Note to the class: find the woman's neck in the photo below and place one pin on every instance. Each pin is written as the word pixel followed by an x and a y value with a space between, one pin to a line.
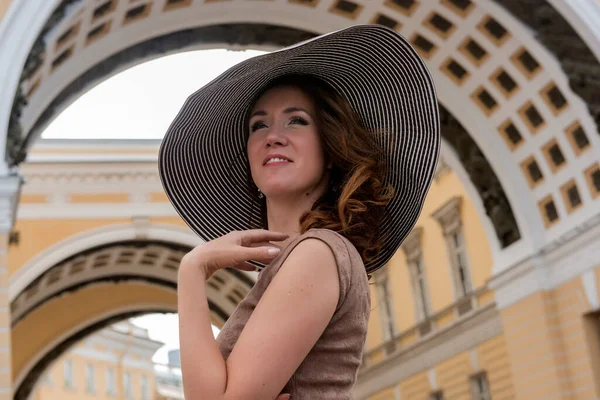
pixel 284 216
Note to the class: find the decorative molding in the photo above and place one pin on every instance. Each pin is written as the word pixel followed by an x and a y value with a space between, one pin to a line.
pixel 154 263
pixel 98 177
pixel 565 259
pixel 95 238
pixel 10 190
pixel 442 169
pixel 61 209
pixel 448 215
pixel 464 335
pixel 412 244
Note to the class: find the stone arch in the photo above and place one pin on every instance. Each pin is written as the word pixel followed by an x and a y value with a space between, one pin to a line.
pixel 113 279
pixel 493 76
pixel 36 344
pixel 97 238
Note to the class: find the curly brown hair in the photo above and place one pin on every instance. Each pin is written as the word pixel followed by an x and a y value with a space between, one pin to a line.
pixel 356 199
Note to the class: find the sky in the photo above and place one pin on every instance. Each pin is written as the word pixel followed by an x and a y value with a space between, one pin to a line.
pixel 140 103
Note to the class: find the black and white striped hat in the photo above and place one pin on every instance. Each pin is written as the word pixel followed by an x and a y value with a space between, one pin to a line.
pixel 203 160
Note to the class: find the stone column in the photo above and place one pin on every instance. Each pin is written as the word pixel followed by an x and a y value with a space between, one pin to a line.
pixel 9 194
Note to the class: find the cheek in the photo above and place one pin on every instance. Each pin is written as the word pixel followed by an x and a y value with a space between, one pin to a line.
pixel 317 157
pixel 251 149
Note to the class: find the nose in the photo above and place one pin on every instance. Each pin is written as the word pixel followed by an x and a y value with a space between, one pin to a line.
pixel 275 138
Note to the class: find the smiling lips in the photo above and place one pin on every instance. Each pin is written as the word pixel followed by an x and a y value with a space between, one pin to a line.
pixel 276 159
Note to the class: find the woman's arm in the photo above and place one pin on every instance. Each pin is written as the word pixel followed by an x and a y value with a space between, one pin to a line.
pixel 290 317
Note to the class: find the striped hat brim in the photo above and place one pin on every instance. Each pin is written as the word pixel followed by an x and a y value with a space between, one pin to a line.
pixel 203 162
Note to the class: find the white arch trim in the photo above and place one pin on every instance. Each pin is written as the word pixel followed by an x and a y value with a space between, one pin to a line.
pixel 97 237
pixel 18 30
pixel 146 307
pixel 583 16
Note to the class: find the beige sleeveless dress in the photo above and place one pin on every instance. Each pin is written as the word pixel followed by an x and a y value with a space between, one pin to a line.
pixel 329 370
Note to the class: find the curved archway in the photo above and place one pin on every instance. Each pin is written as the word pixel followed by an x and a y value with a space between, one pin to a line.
pixel 98 238
pixel 98 285
pixel 36 344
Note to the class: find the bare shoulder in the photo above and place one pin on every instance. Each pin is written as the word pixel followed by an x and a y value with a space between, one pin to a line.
pixel 311 256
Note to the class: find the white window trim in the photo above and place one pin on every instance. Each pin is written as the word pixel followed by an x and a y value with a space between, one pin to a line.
pixel 449 218
pixel 381 277
pixel 412 250
pixel 127 385
pixel 475 395
pixel 145 387
pixel 68 376
pixel 110 382
pixel 90 379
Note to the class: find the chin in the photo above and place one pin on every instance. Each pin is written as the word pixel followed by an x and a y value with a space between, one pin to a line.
pixel 275 190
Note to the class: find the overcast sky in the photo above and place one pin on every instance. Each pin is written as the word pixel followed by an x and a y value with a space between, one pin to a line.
pixel 141 103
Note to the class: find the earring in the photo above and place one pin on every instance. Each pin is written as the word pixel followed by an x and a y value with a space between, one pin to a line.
pixel 260 194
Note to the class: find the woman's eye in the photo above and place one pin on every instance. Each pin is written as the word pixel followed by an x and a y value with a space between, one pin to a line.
pixel 298 120
pixel 257 125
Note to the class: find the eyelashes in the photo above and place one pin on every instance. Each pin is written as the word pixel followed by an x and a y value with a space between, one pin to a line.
pixel 257 125
pixel 293 120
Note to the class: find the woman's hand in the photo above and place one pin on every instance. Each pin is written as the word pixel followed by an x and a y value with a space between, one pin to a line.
pixel 234 249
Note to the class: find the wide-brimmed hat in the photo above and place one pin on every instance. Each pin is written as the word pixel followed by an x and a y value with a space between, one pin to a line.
pixel 203 161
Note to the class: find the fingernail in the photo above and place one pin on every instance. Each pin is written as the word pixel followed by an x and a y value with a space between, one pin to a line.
pixel 273 251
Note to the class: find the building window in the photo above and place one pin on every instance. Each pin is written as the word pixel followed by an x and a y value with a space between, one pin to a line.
pixel 68 374
pixel 111 387
pixel 145 388
pixel 127 388
pixel 459 258
pixel 480 388
pixel 437 396
pixel 420 288
pixel 384 296
pixel 90 379
pixel 448 216
pixel 414 260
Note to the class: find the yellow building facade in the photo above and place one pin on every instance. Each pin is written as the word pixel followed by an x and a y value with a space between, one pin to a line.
pixel 115 363
pixel 494 294
pixel 435 331
pixel 112 364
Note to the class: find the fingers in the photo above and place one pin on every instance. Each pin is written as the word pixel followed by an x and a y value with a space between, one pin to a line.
pixel 264 254
pixel 263 244
pixel 261 235
pixel 246 266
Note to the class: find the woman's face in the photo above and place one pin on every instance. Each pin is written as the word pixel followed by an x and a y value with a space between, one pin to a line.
pixel 284 147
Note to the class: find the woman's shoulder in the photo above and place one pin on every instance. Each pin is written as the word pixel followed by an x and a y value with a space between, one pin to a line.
pixel 338 242
pixel 347 257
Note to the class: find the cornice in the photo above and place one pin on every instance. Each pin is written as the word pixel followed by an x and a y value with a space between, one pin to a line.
pixel 464 335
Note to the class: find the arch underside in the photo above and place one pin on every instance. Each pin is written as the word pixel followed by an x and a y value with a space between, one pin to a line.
pixel 558 36
pixel 100 286
pixel 482 175
pixel 24 390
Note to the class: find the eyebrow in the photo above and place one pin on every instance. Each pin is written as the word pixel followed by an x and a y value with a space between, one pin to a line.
pixel 288 110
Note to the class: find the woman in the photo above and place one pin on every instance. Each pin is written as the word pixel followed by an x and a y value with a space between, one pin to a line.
pixel 314 160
